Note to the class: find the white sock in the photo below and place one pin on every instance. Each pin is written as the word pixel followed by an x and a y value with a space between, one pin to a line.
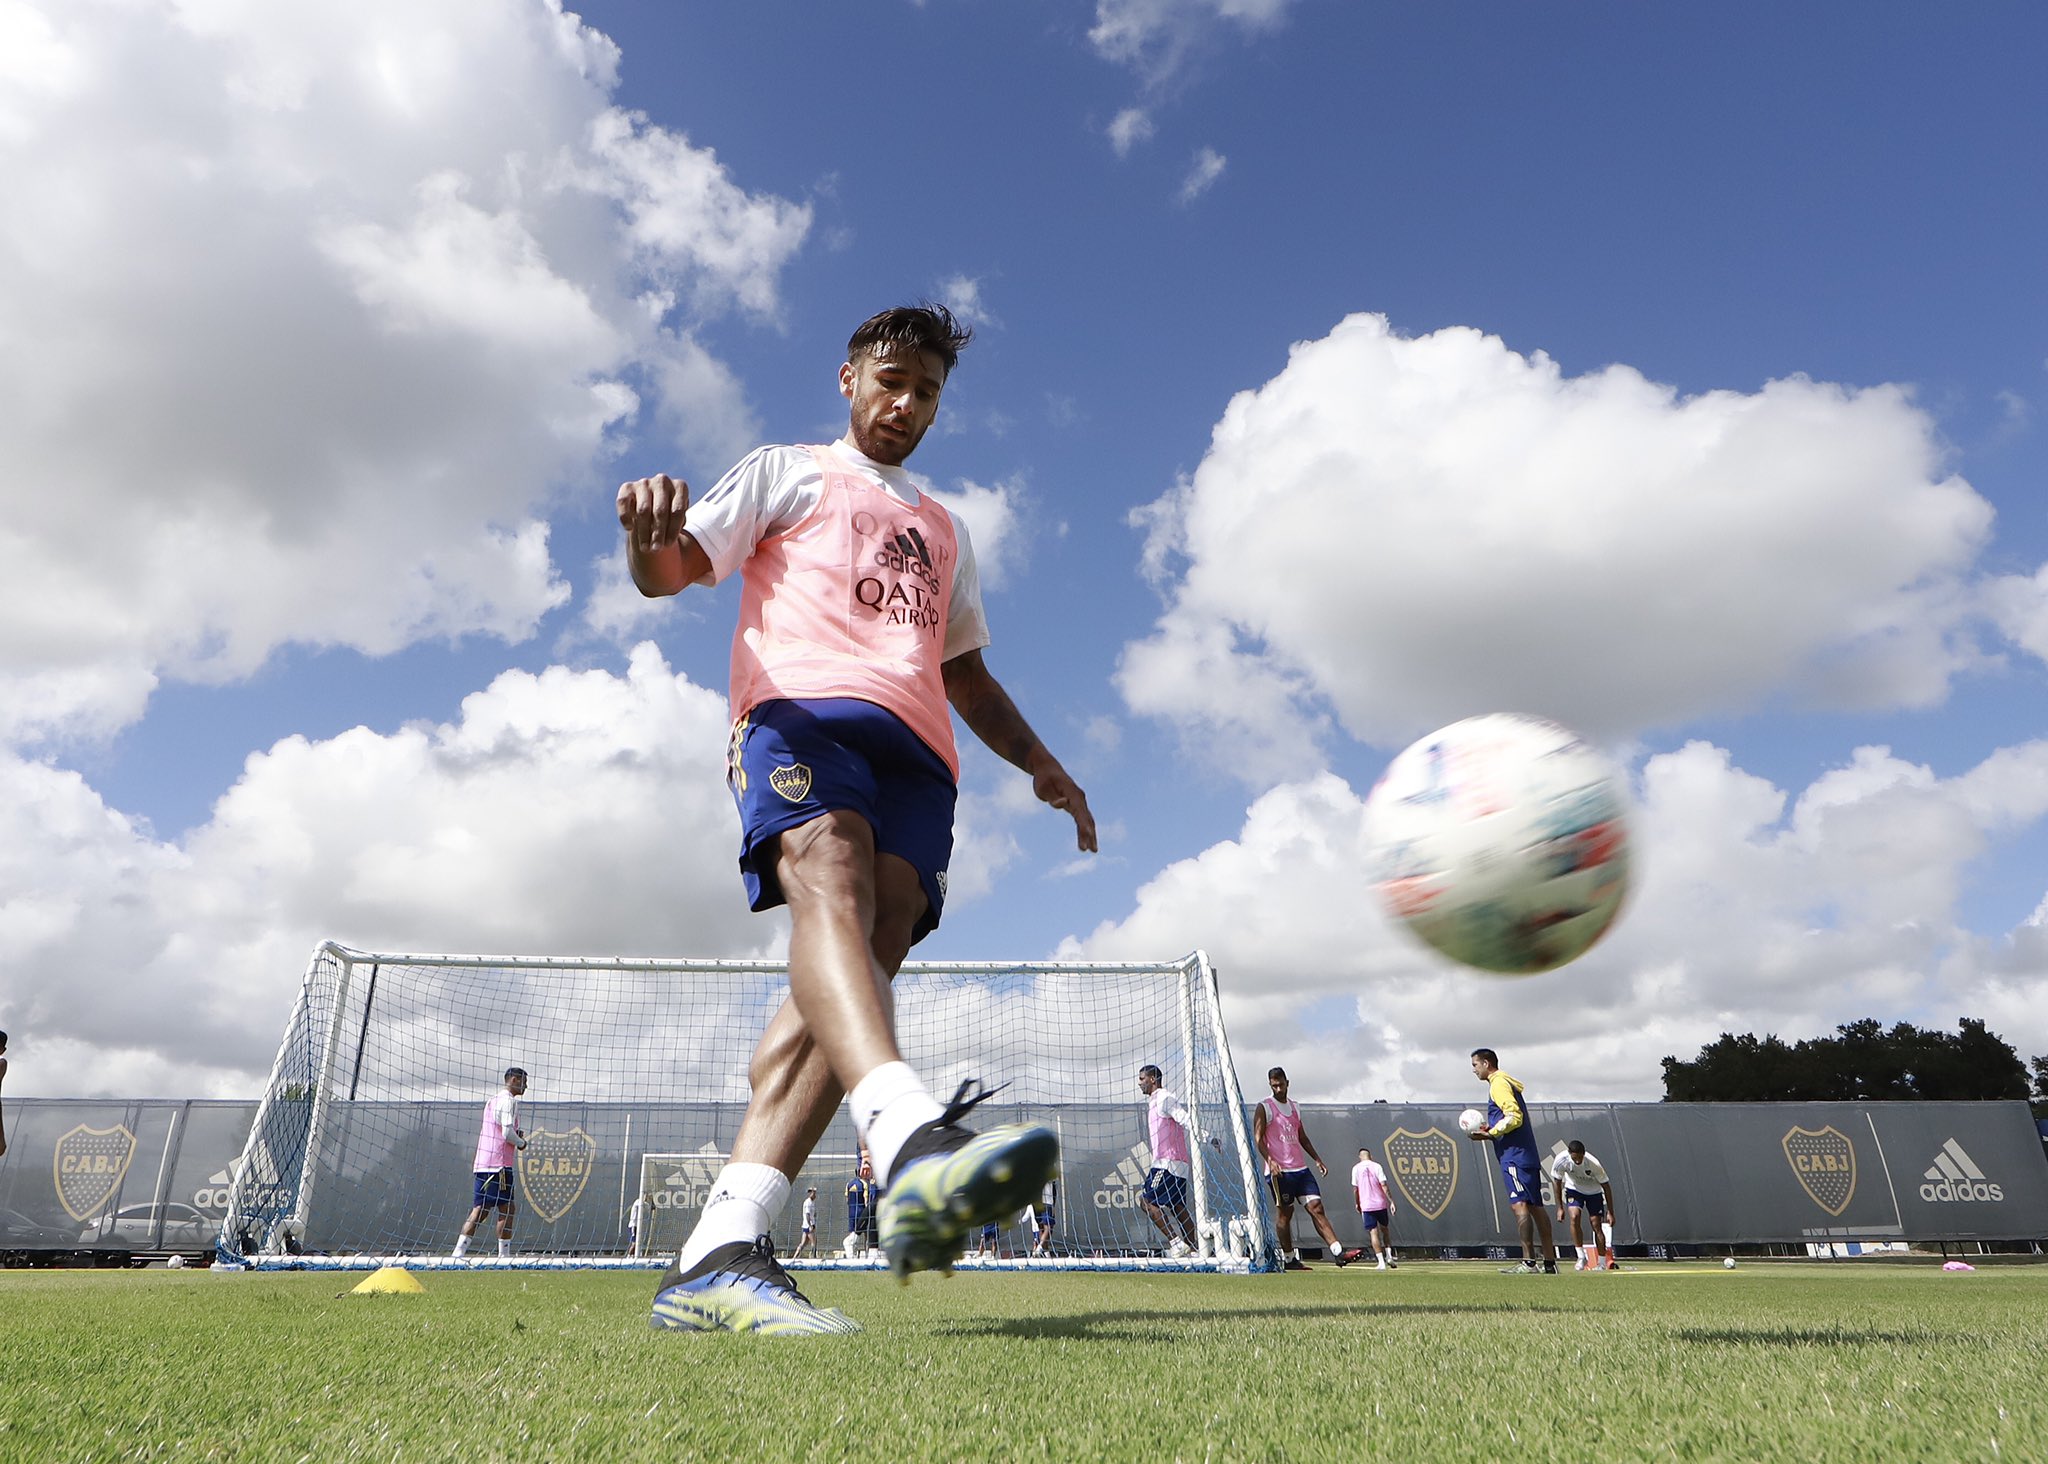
pixel 889 1104
pixel 743 1204
pixel 504 1247
pixel 461 1245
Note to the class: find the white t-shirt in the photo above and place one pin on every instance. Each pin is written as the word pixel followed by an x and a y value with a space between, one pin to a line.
pixel 810 1213
pixel 1584 1177
pixel 774 488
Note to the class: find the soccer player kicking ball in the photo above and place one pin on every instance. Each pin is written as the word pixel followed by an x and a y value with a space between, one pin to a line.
pixel 1514 1146
pixel 1582 1191
pixel 860 623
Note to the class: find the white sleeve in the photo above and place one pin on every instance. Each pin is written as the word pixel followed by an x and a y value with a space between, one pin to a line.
pixel 1599 1174
pixel 770 489
pixel 508 1116
pixel 966 621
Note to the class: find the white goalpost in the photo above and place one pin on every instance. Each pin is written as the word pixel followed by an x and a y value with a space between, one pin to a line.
pixel 362 1147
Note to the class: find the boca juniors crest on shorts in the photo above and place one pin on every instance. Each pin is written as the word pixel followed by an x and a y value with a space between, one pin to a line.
pixel 554 1168
pixel 792 782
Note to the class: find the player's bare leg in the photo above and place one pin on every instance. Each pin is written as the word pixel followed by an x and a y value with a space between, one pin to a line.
pixel 1321 1222
pixel 795 1093
pixel 1283 1221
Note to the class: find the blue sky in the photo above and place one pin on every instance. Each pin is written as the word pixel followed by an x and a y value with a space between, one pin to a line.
pixel 1341 370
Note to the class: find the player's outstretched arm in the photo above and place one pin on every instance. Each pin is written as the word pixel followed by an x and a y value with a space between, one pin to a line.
pixel 990 715
pixel 661 555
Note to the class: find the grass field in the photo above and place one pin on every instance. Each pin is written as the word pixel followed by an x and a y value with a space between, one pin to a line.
pixel 1432 1362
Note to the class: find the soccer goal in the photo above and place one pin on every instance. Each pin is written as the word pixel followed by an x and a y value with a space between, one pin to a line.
pixel 363 1146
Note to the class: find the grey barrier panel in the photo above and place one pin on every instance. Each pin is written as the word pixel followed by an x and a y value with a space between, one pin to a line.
pixel 1829 1171
pixel 391 1175
pixel 110 1175
pixel 1959 1174
pixel 1446 1188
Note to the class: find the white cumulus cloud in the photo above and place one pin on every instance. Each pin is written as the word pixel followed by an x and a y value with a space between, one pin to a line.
pixel 1397 532
pixel 1753 909
pixel 308 314
pixel 1207 167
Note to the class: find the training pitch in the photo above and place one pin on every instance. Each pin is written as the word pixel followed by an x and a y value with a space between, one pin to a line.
pixel 1430 1362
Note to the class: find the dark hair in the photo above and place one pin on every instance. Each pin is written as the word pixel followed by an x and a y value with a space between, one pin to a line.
pixel 515 1072
pixel 922 327
pixel 3 1039
pixel 1278 1072
pixel 1492 1057
pixel 1151 1070
pixel 1579 1144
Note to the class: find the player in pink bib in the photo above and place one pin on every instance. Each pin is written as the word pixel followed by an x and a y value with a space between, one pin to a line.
pixel 1375 1208
pixel 860 634
pixel 1278 1134
pixel 498 1143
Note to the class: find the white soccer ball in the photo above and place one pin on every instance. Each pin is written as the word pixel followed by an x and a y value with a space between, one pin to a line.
pixel 1502 841
pixel 176 1263
pixel 1728 1262
pixel 1471 1119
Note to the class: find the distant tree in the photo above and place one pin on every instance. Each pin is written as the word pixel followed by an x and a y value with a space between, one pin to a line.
pixel 2041 1087
pixel 1862 1061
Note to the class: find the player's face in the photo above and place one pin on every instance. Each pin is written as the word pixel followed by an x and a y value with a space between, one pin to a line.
pixel 516 1085
pixel 1481 1069
pixel 894 399
pixel 1279 1087
pixel 1147 1084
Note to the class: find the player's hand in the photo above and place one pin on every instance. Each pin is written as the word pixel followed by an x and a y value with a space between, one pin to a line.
pixel 651 511
pixel 1322 1169
pixel 1053 786
pixel 1482 1132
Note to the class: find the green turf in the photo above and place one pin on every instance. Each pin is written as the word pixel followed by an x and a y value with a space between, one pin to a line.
pixel 1433 1362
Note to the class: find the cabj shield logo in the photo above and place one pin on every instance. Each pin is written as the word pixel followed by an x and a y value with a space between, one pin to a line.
pixel 553 1168
pixel 1425 1168
pixel 792 782
pixel 89 1165
pixel 1825 1163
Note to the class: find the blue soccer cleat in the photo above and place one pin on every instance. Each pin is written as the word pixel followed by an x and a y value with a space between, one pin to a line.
pixel 948 1181
pixel 741 1287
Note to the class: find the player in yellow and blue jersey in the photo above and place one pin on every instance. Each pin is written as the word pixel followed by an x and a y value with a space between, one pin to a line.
pixel 1514 1146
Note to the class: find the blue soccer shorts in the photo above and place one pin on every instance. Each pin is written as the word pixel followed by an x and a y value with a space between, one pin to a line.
pixel 1290 1185
pixel 1525 1185
pixel 1375 1220
pixel 493 1189
pixel 792 762
pixel 1167 1190
pixel 1594 1205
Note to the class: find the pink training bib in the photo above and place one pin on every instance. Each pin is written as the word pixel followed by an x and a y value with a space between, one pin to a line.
pixel 852 602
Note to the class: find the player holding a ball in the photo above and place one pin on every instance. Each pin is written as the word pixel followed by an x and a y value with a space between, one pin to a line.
pixel 1514 1147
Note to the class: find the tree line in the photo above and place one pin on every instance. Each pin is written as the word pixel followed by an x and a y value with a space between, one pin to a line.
pixel 1861 1061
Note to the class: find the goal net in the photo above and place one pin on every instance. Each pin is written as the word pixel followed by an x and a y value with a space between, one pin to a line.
pixel 363 1147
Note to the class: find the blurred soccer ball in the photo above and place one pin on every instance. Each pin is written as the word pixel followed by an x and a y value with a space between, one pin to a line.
pixel 1728 1262
pixel 176 1263
pixel 1502 841
pixel 1470 1119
